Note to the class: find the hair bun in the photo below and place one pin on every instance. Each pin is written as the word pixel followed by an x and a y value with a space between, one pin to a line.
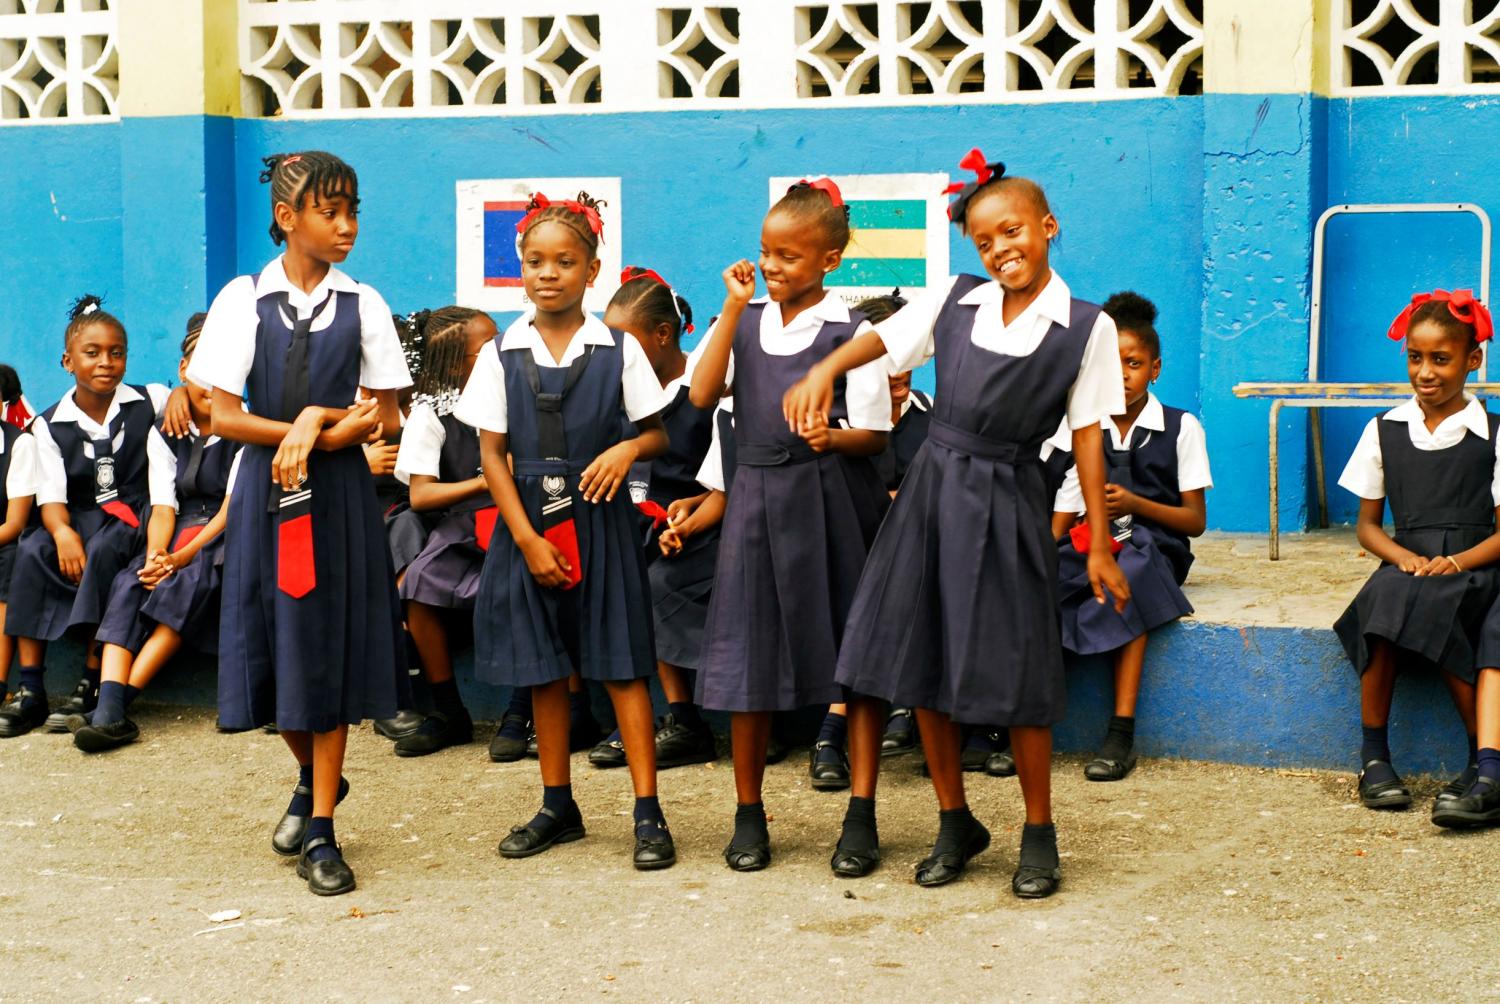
pixel 85 305
pixel 1131 310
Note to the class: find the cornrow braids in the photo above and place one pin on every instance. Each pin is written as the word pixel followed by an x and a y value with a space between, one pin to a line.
pixel 294 177
pixel 89 309
pixel 878 308
pixel 409 332
pixel 444 348
pixel 652 302
pixel 194 329
pixel 569 217
pixel 816 206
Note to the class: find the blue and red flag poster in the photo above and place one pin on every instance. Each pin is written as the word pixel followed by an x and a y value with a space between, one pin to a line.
pixel 488 263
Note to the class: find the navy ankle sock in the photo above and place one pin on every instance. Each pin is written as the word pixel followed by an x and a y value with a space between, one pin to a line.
pixel 445 698
pixel 835 730
pixel 750 825
pixel 131 693
pixel 1489 763
pixel 1376 745
pixel 614 737
pixel 954 826
pixel 860 833
pixel 320 826
pixel 301 805
pixel 1039 846
pixel 33 678
pixel 1119 740
pixel 558 799
pixel 982 738
pixel 650 824
pixel 686 713
pixel 111 706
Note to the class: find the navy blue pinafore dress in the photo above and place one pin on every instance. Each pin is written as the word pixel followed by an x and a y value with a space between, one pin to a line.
pixel 682 584
pixel 1441 503
pixel 526 635
pixel 445 572
pixel 1154 559
pixel 188 601
pixel 957 608
pixel 43 603
pixel 905 440
pixel 794 540
pixel 8 436
pixel 330 657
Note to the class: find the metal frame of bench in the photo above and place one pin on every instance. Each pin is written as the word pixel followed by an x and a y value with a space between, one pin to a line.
pixel 1314 394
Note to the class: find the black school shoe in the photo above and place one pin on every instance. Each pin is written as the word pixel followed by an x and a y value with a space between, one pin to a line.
pixel 80 702
pixel 900 733
pixel 940 869
pixel 677 745
pixel 328 876
pixel 828 766
pixel 438 731
pixel 25 711
pixel 610 752
pixel 504 749
pixel 101 738
pixel 974 758
pixel 1001 764
pixel 405 722
pixel 526 840
pixel 1386 790
pixel 655 850
pixel 286 839
pixel 1459 784
pixel 1109 769
pixel 1479 806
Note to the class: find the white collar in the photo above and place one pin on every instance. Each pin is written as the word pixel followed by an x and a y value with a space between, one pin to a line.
pixel 1472 417
pixel 273 279
pixel 830 308
pixel 67 411
pixel 1152 417
pixel 912 401
pixel 1055 302
pixel 522 334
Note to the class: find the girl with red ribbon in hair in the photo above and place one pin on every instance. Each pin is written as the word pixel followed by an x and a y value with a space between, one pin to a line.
pixel 681 540
pixel 565 588
pixel 1435 460
pixel 310 626
pixel 956 614
pixel 804 508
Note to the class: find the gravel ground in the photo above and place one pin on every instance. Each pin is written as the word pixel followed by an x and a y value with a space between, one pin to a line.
pixel 1186 881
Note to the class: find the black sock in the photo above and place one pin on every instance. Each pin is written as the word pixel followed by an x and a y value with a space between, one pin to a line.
pixel 579 708
pixel 558 799
pixel 650 824
pixel 860 833
pixel 954 826
pixel 1039 846
pixel 982 739
pixel 1489 764
pixel 518 712
pixel 750 825
pixel 1376 745
pixel 33 678
pixel 445 698
pixel 1119 739
pixel 686 713
pixel 320 826
pixel 131 693
pixel 835 730
pixel 111 706
pixel 1473 750
pixel 301 805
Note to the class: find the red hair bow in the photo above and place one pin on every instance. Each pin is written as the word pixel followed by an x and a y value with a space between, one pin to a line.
pixel 826 186
pixel 1461 304
pixel 541 202
pixel 972 161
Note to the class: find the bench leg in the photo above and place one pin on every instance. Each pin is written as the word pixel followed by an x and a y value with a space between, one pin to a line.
pixel 1316 417
pixel 1275 482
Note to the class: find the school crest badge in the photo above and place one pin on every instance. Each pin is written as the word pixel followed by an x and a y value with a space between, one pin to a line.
pixel 104 474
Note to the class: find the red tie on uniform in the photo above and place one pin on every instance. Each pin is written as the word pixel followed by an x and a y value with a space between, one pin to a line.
pixel 122 512
pixel 1083 539
pixel 296 574
pixel 656 512
pixel 484 526
pixel 186 534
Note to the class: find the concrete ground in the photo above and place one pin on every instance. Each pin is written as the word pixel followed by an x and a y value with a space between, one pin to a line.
pixel 1186 881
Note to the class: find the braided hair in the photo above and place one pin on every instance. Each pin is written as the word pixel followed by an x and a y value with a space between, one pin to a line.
pixel 878 308
pixel 89 309
pixel 651 302
pixel 295 176
pixel 444 351
pixel 569 217
pixel 816 207
pixel 194 329
pixel 1134 313
pixel 10 384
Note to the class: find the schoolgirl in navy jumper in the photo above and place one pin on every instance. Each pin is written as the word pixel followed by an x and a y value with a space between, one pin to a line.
pixel 105 487
pixel 168 597
pixel 650 310
pixel 1435 460
pixel 14 408
pixel 801 516
pixel 440 462
pixel 956 613
pixel 564 584
pixel 310 622
pixel 1157 470
pixel 17 498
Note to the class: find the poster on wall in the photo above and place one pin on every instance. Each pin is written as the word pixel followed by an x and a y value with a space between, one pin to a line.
pixel 489 265
pixel 899 232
